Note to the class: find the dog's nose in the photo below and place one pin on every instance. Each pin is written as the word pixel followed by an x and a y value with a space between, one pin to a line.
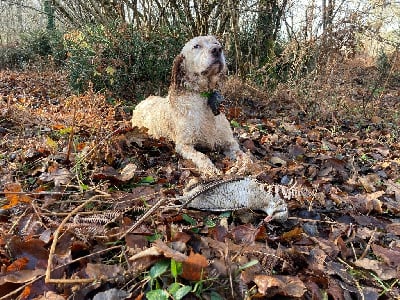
pixel 216 51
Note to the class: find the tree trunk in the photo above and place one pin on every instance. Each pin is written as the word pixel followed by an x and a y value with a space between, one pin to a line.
pixel 49 10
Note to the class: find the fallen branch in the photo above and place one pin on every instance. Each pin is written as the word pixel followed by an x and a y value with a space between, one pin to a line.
pixel 48 278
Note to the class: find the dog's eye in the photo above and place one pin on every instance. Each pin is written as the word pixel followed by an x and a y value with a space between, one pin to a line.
pixel 197 46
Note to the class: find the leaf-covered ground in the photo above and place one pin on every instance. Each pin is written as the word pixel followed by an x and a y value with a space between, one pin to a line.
pixel 76 181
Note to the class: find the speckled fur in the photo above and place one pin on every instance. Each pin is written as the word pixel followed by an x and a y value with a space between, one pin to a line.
pixel 184 116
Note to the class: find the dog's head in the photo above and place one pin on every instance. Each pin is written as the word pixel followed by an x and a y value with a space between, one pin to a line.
pixel 199 66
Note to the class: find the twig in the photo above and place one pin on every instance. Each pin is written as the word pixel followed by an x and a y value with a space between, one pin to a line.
pixel 368 245
pixel 48 279
pixel 71 136
pixel 312 220
pixel 37 193
pixel 144 217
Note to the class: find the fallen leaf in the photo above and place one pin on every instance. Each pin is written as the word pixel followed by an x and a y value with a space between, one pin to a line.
pixel 289 286
pixel 128 172
pixel 13 193
pixel 111 294
pixel 380 268
pixel 59 176
pixel 393 228
pixel 33 250
pixel 245 233
pixel 168 252
pixel 293 234
pixel 193 268
pixel 109 173
pixel 369 182
pixel 278 161
pixel 390 256
pixel 103 271
pixel 18 264
pixel 50 295
pixel 335 290
pixel 265 282
pixel 21 276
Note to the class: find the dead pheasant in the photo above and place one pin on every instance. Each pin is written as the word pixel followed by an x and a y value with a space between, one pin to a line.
pixel 239 193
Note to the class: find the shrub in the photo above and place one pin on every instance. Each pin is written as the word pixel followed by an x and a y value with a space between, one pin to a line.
pixel 120 61
pixel 31 47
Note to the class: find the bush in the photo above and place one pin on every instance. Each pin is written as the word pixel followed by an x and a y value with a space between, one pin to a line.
pixel 31 47
pixel 120 61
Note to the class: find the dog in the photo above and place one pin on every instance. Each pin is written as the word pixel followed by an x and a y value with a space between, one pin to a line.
pixel 189 116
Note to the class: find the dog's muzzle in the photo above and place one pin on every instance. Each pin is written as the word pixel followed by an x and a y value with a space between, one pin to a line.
pixel 216 51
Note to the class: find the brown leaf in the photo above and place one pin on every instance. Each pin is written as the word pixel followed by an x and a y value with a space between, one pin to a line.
pixel 393 187
pixel 290 286
pixel 334 289
pixel 13 193
pixel 105 173
pixel 32 249
pixel 219 233
pixel 21 276
pixel 295 233
pixel 168 252
pixel 58 175
pixel 366 203
pixel 265 282
pixel 244 234
pixel 103 271
pixel 390 256
pixel 18 264
pixel 393 228
pixel 50 296
pixel 109 173
pixel 128 172
pixel 316 259
pixel 344 251
pixel 193 267
pixel 26 292
pixel 136 241
pixel 369 182
pixel 296 150
pixel 275 160
pixel 381 269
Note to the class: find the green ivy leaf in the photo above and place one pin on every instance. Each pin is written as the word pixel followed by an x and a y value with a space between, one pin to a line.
pixel 158 269
pixel 157 295
pixel 210 223
pixel 176 268
pixel 235 124
pixel 154 237
pixel 189 219
pixel 174 287
pixel 215 296
pixel 182 292
pixel 147 180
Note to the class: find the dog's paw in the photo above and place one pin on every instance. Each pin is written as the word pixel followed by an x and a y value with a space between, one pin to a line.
pixel 210 171
pixel 244 165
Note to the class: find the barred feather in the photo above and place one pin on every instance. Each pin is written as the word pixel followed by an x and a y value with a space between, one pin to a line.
pixel 237 193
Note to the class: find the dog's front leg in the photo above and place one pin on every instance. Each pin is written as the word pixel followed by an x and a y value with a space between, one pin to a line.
pixel 202 162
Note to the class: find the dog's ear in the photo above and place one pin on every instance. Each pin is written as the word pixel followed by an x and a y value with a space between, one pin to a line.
pixel 178 73
pixel 177 78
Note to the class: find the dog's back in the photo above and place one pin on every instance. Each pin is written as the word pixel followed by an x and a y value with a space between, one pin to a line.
pixel 154 113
